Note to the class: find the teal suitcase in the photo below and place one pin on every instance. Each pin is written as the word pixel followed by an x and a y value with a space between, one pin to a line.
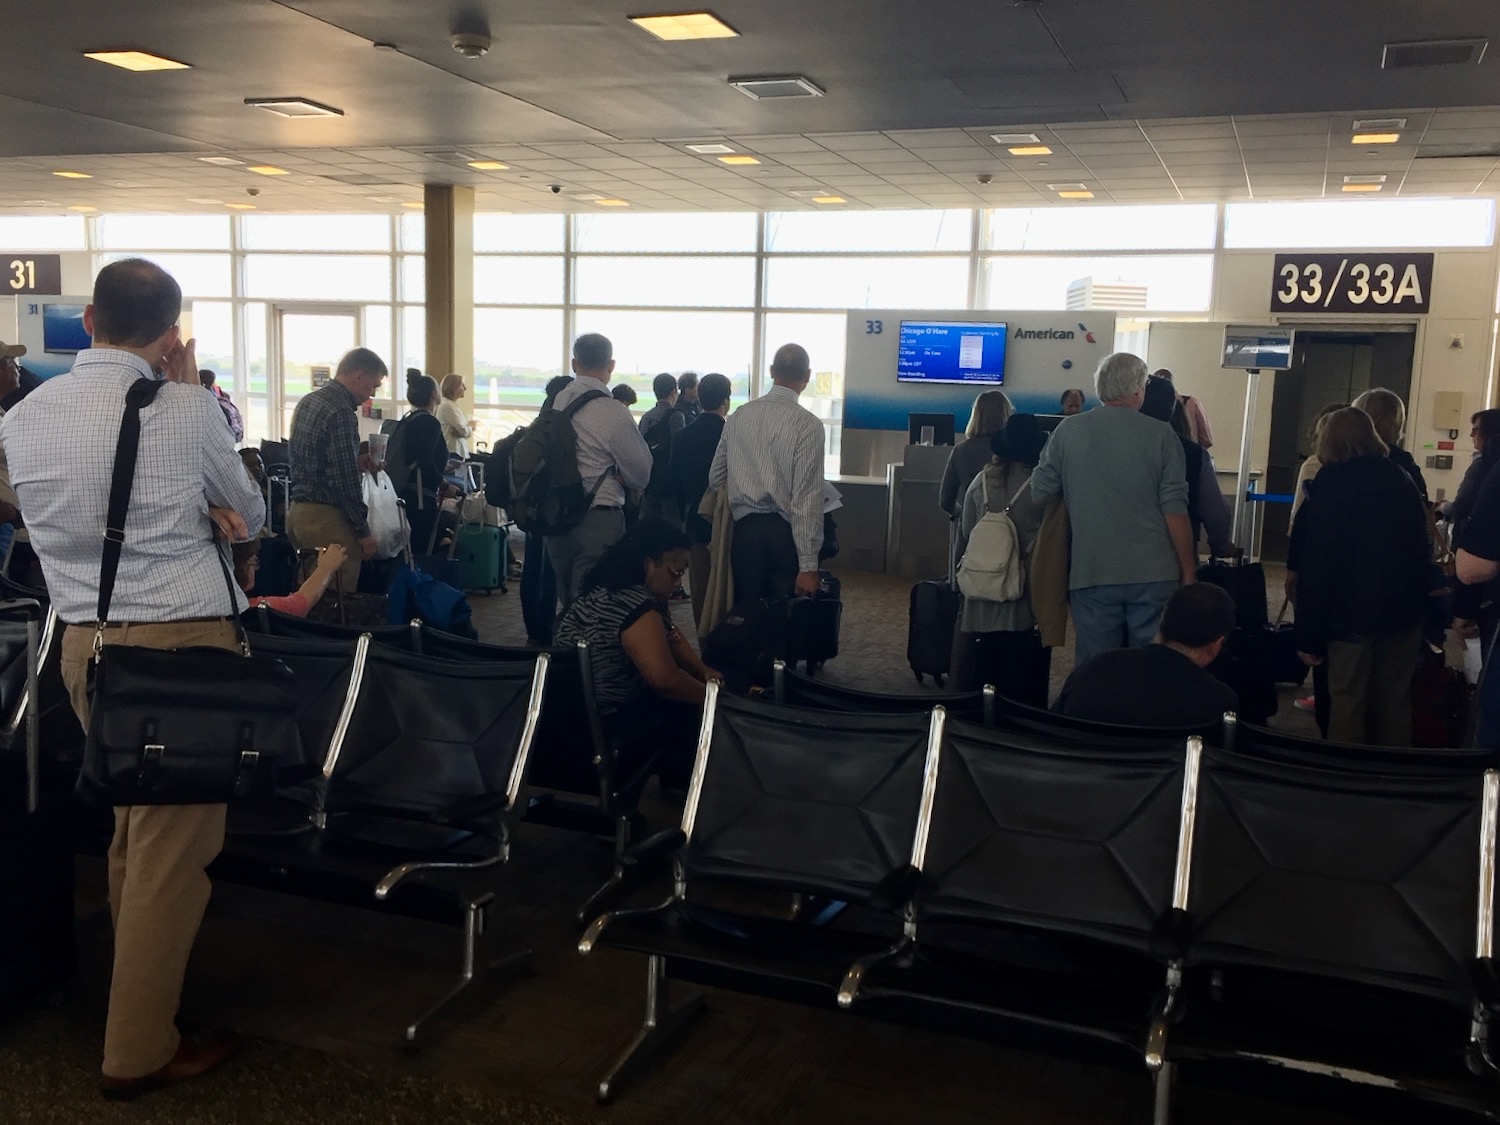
pixel 479 555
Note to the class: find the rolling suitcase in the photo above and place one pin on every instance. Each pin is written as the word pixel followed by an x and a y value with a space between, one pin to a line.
pixel 1246 584
pixel 479 555
pixel 819 633
pixel 929 633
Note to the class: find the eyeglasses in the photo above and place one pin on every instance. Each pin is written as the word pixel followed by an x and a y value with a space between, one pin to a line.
pixel 675 572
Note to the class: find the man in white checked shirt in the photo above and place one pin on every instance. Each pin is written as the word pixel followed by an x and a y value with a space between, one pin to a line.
pixel 771 457
pixel 170 593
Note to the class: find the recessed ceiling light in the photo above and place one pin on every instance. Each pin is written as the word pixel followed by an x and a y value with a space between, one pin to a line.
pixel 686 25
pixel 1362 187
pixel 267 170
pixel 1364 179
pixel 74 175
pixel 588 198
pixel 776 86
pixel 810 194
pixel 1374 138
pixel 1015 138
pixel 709 150
pixel 1067 187
pixel 222 161
pixel 136 60
pixel 240 206
pixel 82 207
pixel 738 160
pixel 488 165
pixel 829 199
pixel 382 199
pixel 207 202
pixel 612 203
pixel 38 203
pixel 414 205
pixel 1030 150
pixel 294 107
pixel 1085 194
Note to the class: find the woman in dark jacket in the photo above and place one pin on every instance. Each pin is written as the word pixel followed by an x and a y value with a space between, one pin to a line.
pixel 1207 509
pixel 416 458
pixel 1363 570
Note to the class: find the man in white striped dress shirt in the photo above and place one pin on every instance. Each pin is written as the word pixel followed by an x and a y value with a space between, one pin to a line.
pixel 771 457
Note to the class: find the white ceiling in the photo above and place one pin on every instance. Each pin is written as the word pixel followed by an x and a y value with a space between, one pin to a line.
pixel 1141 103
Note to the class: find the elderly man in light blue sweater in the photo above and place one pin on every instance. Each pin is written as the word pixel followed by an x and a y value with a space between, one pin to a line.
pixel 1121 475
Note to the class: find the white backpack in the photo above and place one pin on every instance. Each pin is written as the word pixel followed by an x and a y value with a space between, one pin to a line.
pixel 991 567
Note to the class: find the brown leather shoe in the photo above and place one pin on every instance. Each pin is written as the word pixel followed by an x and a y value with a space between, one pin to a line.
pixel 193 1057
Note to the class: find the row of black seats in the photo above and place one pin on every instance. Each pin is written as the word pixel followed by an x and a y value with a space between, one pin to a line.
pixel 1234 894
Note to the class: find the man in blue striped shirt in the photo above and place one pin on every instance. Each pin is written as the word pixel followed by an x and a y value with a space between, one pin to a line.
pixel 771 457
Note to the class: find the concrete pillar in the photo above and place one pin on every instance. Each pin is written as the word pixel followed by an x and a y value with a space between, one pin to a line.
pixel 450 279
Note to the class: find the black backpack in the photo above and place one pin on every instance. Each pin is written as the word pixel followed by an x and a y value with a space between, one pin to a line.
pixel 659 442
pixel 546 490
pixel 397 460
pixel 497 470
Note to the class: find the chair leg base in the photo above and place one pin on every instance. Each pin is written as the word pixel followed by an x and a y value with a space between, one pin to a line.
pixel 654 1039
pixel 470 991
pixel 1162 1110
pixel 601 899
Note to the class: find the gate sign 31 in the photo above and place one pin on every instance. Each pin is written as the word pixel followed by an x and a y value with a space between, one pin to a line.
pixel 1352 283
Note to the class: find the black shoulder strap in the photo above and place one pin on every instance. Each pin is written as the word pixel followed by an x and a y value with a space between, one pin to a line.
pixel 581 401
pixel 141 393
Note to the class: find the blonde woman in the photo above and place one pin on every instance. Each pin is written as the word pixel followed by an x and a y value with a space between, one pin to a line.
pixel 456 427
pixel 1311 465
pixel 987 418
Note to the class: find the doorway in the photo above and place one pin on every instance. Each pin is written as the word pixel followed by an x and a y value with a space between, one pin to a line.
pixel 1329 366
pixel 305 337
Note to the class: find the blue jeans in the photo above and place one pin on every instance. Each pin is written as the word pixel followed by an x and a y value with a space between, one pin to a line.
pixel 1124 616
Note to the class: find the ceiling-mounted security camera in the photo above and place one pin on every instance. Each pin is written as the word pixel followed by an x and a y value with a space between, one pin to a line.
pixel 555 189
pixel 984 177
pixel 471 44
pixel 252 191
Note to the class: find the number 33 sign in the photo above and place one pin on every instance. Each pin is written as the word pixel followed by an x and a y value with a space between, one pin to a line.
pixel 1352 283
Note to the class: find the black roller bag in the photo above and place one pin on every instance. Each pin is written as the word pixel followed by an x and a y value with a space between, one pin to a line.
pixel 929 633
pixel 819 635
pixel 753 636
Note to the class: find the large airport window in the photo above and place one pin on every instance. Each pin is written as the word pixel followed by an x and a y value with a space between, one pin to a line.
pixel 518 234
pixel 252 399
pixel 164 232
pixel 648 342
pixel 1137 282
pixel 43 232
pixel 413 347
pixel 200 275
pixel 316 232
pixel 413 278
pixel 664 233
pixel 515 352
pixel 855 231
pixel 1189 226
pixel 518 280
pixel 412 233
pixel 1346 224
pixel 213 328
pixel 318 277
pixel 868 283
pixel 378 336
pixel 664 281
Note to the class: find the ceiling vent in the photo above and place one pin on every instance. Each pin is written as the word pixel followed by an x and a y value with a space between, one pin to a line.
pixel 1380 125
pixel 1458 152
pixel 364 180
pixel 1433 52
pixel 1067 187
pixel 776 86
pixel 1015 138
pixel 1371 179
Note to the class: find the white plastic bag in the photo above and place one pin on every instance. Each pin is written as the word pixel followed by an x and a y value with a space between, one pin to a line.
pixel 384 515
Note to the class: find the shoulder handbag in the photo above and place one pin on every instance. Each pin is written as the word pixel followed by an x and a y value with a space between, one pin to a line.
pixel 991 568
pixel 181 726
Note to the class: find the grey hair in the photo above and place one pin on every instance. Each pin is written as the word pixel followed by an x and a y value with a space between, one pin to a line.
pixel 1119 376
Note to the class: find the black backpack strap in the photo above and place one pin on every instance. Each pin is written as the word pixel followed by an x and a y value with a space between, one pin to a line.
pixel 122 480
pixel 580 402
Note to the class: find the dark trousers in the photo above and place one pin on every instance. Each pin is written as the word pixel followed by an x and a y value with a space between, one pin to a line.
pixel 665 729
pixel 538 591
pixel 764 558
pixel 1016 663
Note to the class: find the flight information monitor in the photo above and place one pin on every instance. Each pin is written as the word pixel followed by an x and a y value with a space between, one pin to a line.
pixel 940 351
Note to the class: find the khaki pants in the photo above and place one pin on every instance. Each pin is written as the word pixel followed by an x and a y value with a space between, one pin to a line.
pixel 1369 688
pixel 158 888
pixel 311 525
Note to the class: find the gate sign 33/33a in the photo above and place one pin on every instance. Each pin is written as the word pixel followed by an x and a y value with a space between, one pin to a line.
pixel 1352 283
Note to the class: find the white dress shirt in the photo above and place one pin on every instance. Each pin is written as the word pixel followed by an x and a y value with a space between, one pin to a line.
pixel 771 456
pixel 60 445
pixel 606 437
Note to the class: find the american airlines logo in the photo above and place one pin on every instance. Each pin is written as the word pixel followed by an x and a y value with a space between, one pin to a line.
pixel 1053 334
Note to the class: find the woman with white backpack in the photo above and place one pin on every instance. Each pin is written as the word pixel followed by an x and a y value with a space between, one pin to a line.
pixel 996 626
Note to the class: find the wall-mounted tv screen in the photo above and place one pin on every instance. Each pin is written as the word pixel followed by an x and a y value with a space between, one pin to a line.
pixel 941 351
pixel 62 329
